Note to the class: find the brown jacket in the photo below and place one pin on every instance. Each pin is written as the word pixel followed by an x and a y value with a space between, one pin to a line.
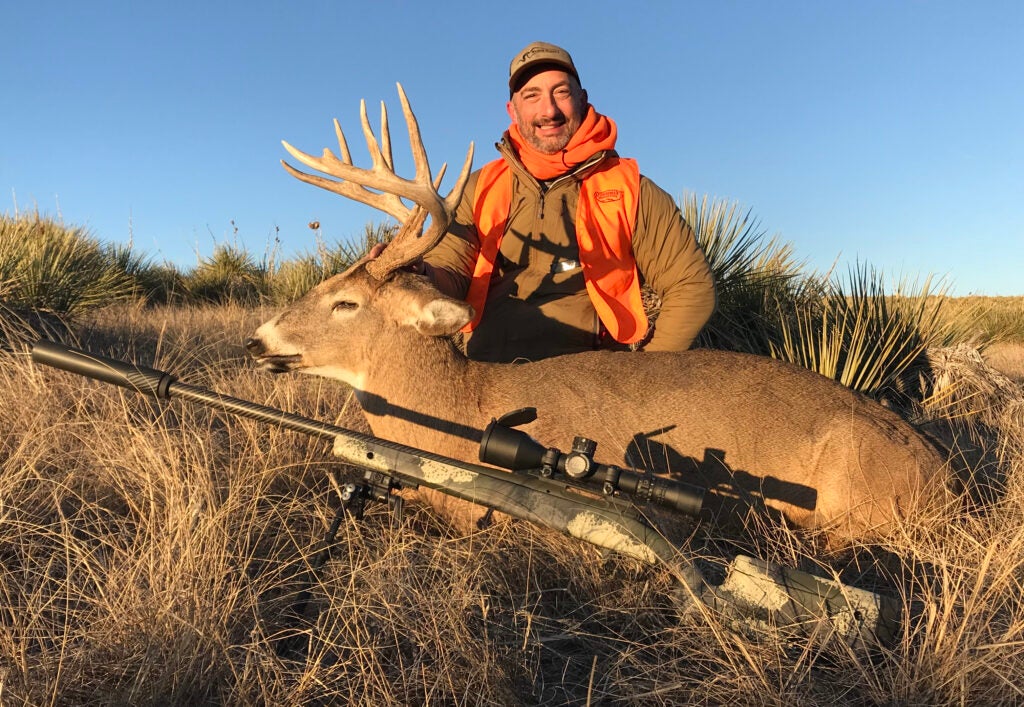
pixel 537 305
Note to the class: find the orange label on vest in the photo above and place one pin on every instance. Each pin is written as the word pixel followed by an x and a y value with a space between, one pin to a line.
pixel 608 195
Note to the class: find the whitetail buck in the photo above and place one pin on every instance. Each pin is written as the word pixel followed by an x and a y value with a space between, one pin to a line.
pixel 750 428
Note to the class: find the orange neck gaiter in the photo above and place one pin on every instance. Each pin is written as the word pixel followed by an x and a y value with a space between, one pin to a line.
pixel 597 132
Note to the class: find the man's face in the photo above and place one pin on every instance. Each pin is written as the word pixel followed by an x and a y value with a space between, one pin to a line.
pixel 548 109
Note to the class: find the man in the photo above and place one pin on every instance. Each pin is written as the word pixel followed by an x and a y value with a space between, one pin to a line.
pixel 552 242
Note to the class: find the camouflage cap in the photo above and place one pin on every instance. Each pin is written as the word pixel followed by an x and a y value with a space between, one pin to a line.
pixel 537 53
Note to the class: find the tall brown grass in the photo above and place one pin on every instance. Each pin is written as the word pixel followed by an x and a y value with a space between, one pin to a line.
pixel 152 554
pixel 999 319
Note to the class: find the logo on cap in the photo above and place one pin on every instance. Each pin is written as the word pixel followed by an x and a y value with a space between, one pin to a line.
pixel 530 53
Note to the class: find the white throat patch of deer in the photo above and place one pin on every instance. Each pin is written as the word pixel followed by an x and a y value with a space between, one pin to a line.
pixel 757 432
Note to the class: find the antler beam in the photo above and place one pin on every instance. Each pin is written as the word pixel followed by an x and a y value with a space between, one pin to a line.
pixel 382 189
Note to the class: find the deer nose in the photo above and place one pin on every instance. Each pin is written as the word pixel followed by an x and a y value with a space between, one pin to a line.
pixel 254 346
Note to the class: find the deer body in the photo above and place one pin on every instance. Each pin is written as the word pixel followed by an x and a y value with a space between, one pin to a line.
pixel 759 432
pixel 752 429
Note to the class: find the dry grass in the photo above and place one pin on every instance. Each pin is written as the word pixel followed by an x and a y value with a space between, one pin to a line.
pixel 152 555
pixel 1007 357
pixel 990 318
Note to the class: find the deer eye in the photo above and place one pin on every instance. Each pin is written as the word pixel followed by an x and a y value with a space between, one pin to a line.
pixel 345 306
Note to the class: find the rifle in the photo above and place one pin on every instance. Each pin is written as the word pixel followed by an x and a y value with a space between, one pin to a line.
pixel 568 492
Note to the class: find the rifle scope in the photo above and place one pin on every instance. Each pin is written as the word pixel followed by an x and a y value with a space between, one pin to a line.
pixel 515 450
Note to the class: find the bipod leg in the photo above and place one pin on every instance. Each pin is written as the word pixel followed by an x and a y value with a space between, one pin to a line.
pixel 353 501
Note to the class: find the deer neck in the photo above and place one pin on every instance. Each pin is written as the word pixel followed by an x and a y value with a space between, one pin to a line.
pixel 424 393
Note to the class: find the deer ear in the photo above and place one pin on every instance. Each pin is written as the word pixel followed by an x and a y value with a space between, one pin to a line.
pixel 442 316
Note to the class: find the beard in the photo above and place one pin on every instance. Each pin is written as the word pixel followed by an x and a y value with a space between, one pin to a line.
pixel 549 144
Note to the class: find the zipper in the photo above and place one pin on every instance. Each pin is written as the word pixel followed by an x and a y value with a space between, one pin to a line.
pixel 577 173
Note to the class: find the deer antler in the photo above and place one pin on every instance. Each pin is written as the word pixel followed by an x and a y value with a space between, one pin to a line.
pixel 382 189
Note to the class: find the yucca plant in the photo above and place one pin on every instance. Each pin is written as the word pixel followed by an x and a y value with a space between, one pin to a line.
pixel 856 333
pixel 863 336
pixel 753 273
pixel 345 253
pixel 230 275
pixel 47 266
pixel 293 278
pixel 153 283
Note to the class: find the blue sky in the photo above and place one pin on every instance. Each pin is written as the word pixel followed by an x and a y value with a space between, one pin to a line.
pixel 887 133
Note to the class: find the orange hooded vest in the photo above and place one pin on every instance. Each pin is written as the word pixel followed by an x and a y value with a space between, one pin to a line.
pixel 605 219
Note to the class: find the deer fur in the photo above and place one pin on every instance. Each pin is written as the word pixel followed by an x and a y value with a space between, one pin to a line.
pixel 757 432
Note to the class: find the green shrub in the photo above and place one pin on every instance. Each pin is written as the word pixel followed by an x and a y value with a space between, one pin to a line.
pixel 753 274
pixel 230 276
pixel 48 266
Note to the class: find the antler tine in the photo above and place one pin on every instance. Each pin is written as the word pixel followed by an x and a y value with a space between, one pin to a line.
pixel 342 143
pixel 350 179
pixel 451 202
pixel 419 153
pixel 380 153
pixel 410 244
pixel 385 137
pixel 423 165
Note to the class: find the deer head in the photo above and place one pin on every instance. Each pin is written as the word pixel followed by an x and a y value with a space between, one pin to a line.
pixel 331 330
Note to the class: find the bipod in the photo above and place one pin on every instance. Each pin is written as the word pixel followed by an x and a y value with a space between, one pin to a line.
pixel 374 486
